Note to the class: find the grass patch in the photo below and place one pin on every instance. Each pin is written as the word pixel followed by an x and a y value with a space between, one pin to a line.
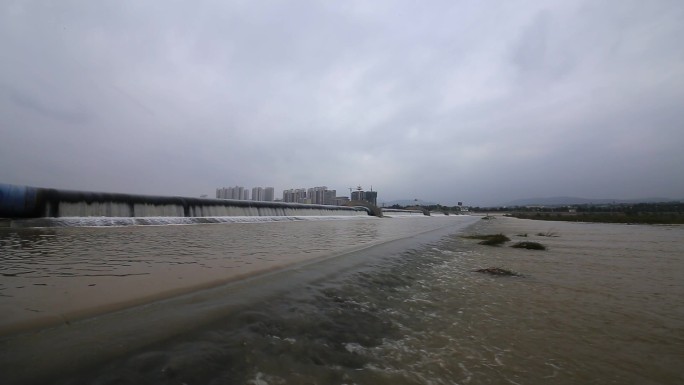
pixel 550 234
pixel 521 235
pixel 529 246
pixel 498 272
pixel 490 240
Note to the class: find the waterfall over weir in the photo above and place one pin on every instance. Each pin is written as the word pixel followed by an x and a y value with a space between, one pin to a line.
pixel 34 202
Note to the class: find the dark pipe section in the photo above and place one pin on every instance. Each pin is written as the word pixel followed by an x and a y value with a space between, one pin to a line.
pixel 19 202
pixel 36 202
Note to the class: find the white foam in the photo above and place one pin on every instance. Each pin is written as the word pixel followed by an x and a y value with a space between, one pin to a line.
pixel 88 221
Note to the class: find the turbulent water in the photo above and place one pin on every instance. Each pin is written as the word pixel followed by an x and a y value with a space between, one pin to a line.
pixel 603 305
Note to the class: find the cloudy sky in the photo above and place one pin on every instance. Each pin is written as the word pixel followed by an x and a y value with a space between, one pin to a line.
pixel 475 101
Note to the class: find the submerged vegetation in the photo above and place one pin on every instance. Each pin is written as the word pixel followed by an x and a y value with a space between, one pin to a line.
pixel 529 246
pixel 548 234
pixel 490 239
pixel 498 272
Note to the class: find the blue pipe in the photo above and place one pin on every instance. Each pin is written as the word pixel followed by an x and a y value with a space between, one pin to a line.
pixel 18 201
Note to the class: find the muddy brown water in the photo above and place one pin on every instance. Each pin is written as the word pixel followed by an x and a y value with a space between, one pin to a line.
pixel 604 304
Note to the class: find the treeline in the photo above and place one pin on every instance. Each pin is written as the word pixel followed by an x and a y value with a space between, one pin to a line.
pixel 647 213
pixel 661 207
pixel 453 209
pixel 643 218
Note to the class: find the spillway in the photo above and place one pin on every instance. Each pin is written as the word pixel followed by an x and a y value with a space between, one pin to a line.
pixel 401 212
pixel 35 202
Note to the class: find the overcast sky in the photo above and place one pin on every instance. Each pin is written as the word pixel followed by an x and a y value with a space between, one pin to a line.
pixel 475 101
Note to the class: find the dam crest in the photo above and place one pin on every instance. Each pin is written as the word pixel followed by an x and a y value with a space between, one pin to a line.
pixel 25 202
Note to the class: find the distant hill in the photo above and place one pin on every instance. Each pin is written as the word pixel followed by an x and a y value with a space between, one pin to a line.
pixel 408 202
pixel 564 201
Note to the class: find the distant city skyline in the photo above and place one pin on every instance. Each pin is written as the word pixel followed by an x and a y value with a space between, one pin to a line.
pixel 321 195
pixel 314 195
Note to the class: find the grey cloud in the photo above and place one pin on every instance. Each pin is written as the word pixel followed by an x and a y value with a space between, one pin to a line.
pixel 530 53
pixel 481 103
pixel 25 101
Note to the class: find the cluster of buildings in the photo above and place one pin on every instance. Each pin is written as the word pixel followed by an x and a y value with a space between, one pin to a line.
pixel 368 196
pixel 314 195
pixel 266 194
pixel 320 195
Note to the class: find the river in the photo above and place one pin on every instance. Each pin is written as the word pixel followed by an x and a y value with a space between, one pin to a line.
pixel 355 301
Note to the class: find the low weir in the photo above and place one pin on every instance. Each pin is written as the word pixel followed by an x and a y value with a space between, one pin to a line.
pixel 401 212
pixel 20 202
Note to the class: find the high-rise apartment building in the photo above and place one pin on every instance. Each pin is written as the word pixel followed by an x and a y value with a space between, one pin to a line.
pixel 330 197
pixel 368 196
pixel 257 193
pixel 295 196
pixel 371 197
pixel 242 193
pixel 237 192
pixel 315 195
pixel 224 193
pixel 357 195
pixel 269 194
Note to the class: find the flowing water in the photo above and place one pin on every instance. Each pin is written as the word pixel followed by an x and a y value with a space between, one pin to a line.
pixel 603 305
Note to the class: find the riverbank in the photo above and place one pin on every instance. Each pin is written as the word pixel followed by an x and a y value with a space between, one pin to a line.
pixel 619 217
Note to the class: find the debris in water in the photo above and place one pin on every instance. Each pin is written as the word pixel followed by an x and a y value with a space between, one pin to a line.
pixel 498 271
